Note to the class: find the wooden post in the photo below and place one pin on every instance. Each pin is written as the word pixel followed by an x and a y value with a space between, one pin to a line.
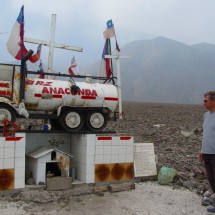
pixel 51 47
pixel 117 57
pixel 52 44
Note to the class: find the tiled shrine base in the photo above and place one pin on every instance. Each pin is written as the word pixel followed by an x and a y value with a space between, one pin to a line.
pixel 12 162
pixel 113 172
pixel 103 158
pixel 6 179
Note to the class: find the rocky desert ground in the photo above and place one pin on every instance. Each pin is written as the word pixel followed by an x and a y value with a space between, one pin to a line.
pixel 175 130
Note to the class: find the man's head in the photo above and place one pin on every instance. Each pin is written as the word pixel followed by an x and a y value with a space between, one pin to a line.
pixel 209 100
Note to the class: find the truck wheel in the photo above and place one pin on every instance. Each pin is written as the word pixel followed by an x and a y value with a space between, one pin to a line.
pixel 72 120
pixel 6 113
pixel 96 121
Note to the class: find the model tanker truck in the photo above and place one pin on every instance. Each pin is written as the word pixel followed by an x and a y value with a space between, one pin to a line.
pixel 69 105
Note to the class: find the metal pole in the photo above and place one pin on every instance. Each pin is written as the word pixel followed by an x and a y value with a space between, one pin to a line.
pixel 52 39
pixel 119 84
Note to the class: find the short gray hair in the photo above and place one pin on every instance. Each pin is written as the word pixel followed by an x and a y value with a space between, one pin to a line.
pixel 211 95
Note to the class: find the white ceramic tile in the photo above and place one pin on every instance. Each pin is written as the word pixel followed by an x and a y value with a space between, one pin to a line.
pixel 8 152
pixel 115 141
pixel 9 144
pixel 83 150
pixel 78 167
pixel 107 142
pixel 8 163
pixel 19 162
pixel 99 150
pixel 91 139
pixel 129 158
pixel 19 183
pixel 81 177
pixel 90 178
pixel 114 150
pixel 129 149
pixel 76 150
pixel 99 142
pixel 91 159
pixel 19 152
pixel 78 158
pixel 122 158
pixel 122 142
pixel 90 169
pixel 75 158
pixel 1 153
pixel 1 163
pixel 114 158
pixel 2 139
pixel 107 150
pixel 106 158
pixel 20 143
pixel 83 159
pixel 122 149
pixel 130 141
pixel 82 140
pixel 19 172
pixel 98 159
pixel 82 169
pixel 91 150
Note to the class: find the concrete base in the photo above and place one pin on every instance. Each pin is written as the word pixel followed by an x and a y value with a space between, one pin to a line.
pixel 59 183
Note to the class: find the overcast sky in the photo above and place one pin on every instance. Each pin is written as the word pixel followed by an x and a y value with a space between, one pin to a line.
pixel 81 23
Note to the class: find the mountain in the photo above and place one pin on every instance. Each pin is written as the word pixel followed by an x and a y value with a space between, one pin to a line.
pixel 163 70
pixel 166 71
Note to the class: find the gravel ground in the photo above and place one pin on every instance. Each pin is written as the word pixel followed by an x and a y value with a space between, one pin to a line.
pixel 148 198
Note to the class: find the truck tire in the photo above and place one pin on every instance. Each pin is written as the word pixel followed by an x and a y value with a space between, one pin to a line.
pixel 8 113
pixel 96 121
pixel 71 120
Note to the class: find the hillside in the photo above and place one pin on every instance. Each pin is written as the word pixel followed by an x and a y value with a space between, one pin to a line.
pixel 167 71
pixel 163 70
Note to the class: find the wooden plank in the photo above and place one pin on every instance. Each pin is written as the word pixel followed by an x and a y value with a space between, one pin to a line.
pixel 122 186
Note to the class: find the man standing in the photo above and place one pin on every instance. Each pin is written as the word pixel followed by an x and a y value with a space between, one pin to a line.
pixel 208 140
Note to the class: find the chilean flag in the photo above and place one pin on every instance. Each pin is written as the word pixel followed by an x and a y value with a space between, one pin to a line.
pixel 110 31
pixel 15 43
pixel 106 63
pixel 73 65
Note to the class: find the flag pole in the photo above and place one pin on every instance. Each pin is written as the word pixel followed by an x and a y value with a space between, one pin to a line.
pixel 22 74
pixel 118 76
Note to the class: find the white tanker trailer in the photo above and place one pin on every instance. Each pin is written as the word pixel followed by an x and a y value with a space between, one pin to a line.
pixel 68 105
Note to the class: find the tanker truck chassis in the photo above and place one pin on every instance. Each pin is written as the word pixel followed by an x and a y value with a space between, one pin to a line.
pixel 69 105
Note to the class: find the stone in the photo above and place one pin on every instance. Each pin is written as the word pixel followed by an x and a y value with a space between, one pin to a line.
pixel 189 185
pixel 59 183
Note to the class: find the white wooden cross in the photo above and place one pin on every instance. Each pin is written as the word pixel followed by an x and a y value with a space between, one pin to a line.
pixel 117 57
pixel 52 44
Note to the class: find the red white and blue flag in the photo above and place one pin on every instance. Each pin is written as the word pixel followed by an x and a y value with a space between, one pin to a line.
pixel 109 31
pixel 15 43
pixel 73 65
pixel 106 64
pixel 40 70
